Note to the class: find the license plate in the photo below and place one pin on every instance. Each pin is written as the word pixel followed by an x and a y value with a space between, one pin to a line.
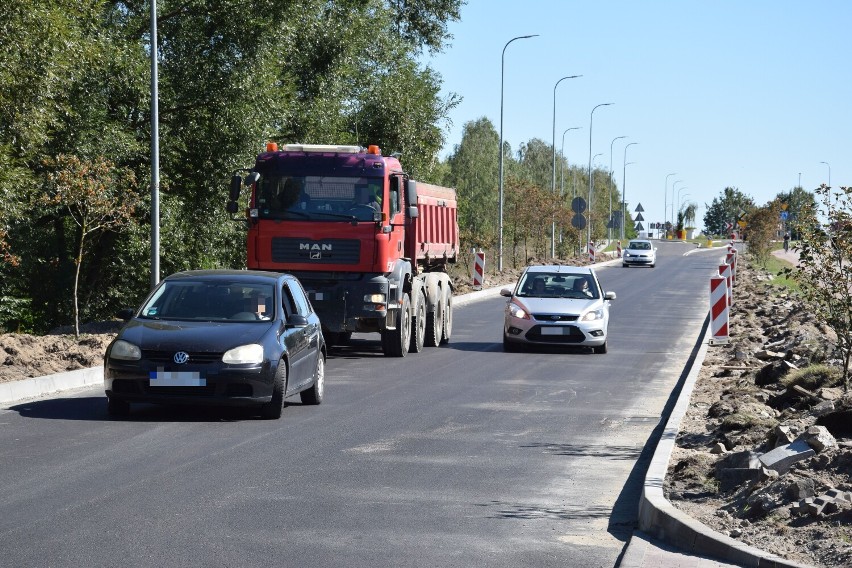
pixel 177 379
pixel 554 330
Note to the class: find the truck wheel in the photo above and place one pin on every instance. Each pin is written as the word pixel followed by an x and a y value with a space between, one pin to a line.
pixel 448 318
pixel 418 330
pixel 435 325
pixel 395 342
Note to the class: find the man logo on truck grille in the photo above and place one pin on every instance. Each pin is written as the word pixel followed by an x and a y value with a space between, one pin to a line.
pixel 315 250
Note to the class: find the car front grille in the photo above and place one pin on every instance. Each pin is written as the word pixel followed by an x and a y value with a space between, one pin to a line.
pixel 195 357
pixel 555 317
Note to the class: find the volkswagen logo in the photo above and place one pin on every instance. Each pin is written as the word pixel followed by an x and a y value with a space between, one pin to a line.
pixel 181 357
pixel 555 318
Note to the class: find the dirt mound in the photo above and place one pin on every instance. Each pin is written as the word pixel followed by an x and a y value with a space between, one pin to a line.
pixel 23 356
pixel 773 386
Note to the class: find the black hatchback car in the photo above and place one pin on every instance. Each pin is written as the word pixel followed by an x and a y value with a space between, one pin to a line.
pixel 219 337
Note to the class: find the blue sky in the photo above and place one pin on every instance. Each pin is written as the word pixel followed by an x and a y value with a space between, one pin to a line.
pixel 748 94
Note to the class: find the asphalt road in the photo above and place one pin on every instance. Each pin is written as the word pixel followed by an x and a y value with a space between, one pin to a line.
pixel 457 456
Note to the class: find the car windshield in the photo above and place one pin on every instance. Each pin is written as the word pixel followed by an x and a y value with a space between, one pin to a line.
pixel 557 285
pixel 319 197
pixel 639 245
pixel 206 300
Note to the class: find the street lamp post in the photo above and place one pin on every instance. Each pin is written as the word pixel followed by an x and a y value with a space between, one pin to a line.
pixel 553 176
pixel 155 154
pixel 562 155
pixel 624 187
pixel 500 204
pixel 829 183
pixel 591 122
pixel 609 230
pixel 666 198
pixel 678 201
pixel 671 219
pixel 829 172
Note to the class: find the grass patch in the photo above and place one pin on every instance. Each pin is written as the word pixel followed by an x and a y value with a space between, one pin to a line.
pixel 774 266
pixel 745 420
pixel 813 377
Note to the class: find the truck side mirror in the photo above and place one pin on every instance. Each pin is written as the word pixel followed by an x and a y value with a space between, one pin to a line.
pixel 411 198
pixel 236 187
pixel 252 179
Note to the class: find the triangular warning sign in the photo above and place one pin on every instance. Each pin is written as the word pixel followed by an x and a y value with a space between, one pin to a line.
pixel 639 217
pixel 639 227
pixel 639 208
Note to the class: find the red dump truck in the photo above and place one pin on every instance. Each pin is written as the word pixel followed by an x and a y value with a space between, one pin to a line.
pixel 370 246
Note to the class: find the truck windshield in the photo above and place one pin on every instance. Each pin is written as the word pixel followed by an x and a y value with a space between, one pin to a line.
pixel 318 198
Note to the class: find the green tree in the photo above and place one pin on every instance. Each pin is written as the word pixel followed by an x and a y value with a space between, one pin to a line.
pixel 232 74
pixel 474 174
pixel 824 270
pixel 795 200
pixel 97 196
pixel 725 209
pixel 762 230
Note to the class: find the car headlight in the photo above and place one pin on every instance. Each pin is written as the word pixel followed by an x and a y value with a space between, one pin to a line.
pixel 244 354
pixel 125 351
pixel 593 315
pixel 517 311
pixel 374 298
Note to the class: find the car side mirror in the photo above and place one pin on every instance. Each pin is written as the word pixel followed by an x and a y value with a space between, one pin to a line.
pixel 126 314
pixel 506 292
pixel 609 296
pixel 297 320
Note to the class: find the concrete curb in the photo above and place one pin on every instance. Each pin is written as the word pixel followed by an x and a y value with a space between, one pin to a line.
pixel 661 520
pixel 15 391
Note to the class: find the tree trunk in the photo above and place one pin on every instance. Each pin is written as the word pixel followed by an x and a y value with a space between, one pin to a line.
pixel 78 261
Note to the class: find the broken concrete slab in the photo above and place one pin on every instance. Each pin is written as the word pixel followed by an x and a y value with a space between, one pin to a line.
pixel 801 489
pixel 782 458
pixel 819 438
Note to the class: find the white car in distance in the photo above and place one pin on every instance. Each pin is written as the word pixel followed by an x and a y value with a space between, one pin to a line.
pixel 639 252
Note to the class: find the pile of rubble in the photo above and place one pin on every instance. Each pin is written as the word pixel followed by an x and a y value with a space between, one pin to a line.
pixel 764 454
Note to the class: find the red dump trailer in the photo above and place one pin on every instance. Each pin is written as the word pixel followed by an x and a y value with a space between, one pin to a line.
pixel 370 246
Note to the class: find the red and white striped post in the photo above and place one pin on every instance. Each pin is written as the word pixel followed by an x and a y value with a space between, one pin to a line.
pixel 591 251
pixel 731 259
pixel 726 273
pixel 618 248
pixel 478 269
pixel 718 310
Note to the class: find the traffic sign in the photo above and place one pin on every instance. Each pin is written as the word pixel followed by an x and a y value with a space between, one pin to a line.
pixel 639 217
pixel 639 209
pixel 578 205
pixel 639 227
pixel 578 221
